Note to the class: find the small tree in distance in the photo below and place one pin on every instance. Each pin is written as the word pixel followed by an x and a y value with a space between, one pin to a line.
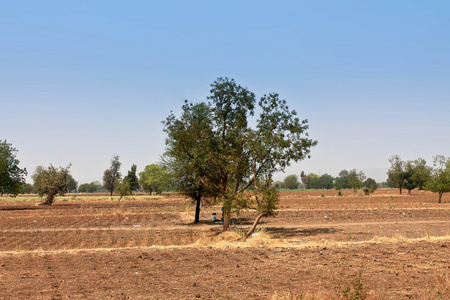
pixel 370 185
pixel 73 185
pixel 154 179
pixel 291 182
pixel 439 181
pixel 51 182
pixel 396 172
pixel 132 178
pixel 356 179
pixel 123 188
pixel 112 175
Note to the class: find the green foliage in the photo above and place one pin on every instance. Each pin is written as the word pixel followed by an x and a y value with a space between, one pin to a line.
pixel 291 182
pixel 154 179
pixel 123 188
pixel 326 181
pixel 439 181
pixel 112 175
pixel 51 181
pixel 421 173
pixel 229 155
pixel 92 187
pixel 408 174
pixel 185 158
pixel 27 189
pixel 396 173
pixel 311 181
pixel 11 176
pixel 371 185
pixel 73 185
pixel 341 181
pixel 132 178
pixel 356 292
pixel 355 179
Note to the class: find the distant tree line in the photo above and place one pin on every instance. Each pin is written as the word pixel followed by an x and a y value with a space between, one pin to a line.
pixel 414 174
pixel 352 179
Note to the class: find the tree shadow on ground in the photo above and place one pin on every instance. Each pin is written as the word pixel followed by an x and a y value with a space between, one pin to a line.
pixel 300 232
pixel 307 232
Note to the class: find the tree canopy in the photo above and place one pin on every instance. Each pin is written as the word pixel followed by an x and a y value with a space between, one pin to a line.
pixel 231 155
pixel 154 179
pixel 132 178
pixel 355 179
pixel 408 174
pixel 112 175
pixel 439 180
pixel 291 182
pixel 182 158
pixel 11 176
pixel 92 187
pixel 51 181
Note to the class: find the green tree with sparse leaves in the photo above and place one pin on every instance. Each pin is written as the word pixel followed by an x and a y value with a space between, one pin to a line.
pixel 123 188
pixel 112 175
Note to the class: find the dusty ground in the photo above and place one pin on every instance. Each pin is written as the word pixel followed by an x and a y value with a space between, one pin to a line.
pixel 320 246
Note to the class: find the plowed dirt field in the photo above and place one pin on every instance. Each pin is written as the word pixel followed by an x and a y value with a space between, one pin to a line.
pixel 319 246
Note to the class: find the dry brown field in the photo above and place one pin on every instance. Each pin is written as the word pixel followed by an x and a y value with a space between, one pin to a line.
pixel 320 246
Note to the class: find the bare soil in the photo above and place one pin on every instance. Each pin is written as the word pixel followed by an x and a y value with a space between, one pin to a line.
pixel 320 246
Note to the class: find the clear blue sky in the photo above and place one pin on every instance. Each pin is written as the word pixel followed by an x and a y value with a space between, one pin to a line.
pixel 83 80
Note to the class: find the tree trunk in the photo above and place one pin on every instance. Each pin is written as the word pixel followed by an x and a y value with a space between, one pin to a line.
pixel 400 191
pixel 49 200
pixel 197 208
pixel 226 217
pixel 255 223
pixel 440 196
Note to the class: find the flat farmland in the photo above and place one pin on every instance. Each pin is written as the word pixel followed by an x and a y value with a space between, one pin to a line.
pixel 319 246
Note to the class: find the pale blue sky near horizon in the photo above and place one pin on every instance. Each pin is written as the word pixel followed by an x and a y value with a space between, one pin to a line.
pixel 81 81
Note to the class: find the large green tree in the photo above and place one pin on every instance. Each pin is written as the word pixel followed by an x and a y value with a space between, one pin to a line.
pixel 154 179
pixel 11 176
pixel 51 181
pixel 112 175
pixel 235 155
pixel 439 180
pixel 184 160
